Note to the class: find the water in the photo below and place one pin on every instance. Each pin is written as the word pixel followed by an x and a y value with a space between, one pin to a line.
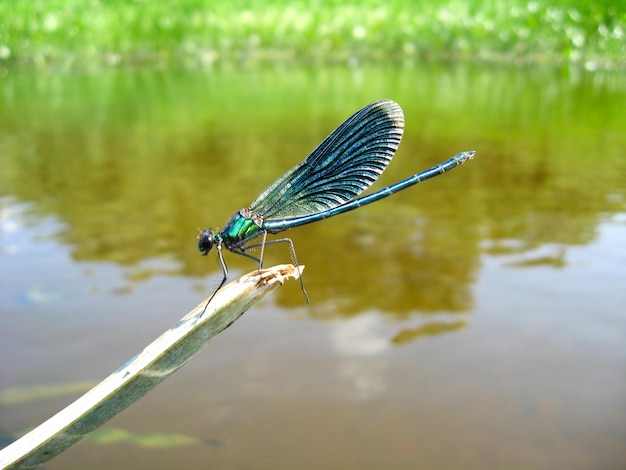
pixel 476 320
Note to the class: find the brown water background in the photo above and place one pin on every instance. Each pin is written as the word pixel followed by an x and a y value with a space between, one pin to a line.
pixel 477 320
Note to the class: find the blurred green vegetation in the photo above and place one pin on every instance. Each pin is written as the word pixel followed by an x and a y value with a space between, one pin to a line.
pixel 92 34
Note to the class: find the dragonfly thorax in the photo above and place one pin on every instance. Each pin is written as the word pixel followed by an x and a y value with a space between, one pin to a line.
pixel 243 225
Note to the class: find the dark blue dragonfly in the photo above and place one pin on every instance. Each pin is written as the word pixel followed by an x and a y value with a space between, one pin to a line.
pixel 327 183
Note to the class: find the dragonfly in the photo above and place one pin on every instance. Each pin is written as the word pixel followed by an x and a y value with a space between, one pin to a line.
pixel 327 183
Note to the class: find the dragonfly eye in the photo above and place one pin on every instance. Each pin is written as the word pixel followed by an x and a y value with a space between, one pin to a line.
pixel 205 241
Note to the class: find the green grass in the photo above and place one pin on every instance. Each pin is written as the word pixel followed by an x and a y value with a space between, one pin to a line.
pixel 91 34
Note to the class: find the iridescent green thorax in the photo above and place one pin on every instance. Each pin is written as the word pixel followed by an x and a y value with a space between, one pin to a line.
pixel 241 226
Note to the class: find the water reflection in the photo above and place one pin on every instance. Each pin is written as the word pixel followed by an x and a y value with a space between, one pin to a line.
pixel 430 329
pixel 496 287
pixel 133 164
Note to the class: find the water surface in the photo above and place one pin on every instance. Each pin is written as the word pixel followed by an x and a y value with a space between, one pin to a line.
pixel 476 320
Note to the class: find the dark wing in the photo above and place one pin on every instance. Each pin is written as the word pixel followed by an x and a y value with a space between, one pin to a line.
pixel 344 165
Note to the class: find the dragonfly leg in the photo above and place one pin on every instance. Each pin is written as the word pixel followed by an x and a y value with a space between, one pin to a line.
pixel 241 247
pixel 292 251
pixel 262 249
pixel 224 278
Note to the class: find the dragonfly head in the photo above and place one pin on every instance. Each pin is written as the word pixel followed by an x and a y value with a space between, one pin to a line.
pixel 205 241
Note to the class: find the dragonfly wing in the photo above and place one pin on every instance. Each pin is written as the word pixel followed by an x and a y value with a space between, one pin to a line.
pixel 344 165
